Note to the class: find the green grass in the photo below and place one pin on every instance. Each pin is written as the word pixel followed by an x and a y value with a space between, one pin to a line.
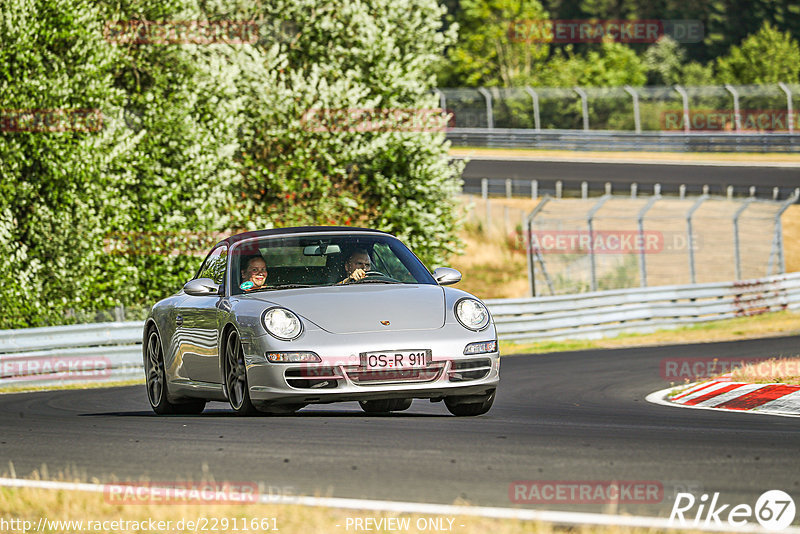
pixel 23 388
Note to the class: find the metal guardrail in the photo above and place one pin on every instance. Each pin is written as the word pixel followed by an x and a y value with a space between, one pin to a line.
pixel 113 351
pixel 621 141
pixel 72 353
pixel 640 310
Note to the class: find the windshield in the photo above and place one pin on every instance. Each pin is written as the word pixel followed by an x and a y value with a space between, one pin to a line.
pixel 271 263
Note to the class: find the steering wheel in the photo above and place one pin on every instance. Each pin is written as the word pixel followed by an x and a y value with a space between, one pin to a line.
pixel 373 274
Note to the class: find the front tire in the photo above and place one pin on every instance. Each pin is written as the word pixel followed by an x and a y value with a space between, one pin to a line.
pixel 236 377
pixel 156 380
pixel 457 407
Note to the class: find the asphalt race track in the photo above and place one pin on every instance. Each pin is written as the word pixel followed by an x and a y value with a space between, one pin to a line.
pixel 560 417
pixel 621 175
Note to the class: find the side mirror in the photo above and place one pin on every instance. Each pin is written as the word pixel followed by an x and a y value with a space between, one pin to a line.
pixel 201 287
pixel 445 276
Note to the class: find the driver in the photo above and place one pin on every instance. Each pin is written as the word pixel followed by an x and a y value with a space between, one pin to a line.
pixel 356 266
pixel 254 274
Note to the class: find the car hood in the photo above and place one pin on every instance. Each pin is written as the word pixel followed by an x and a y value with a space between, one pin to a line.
pixel 364 308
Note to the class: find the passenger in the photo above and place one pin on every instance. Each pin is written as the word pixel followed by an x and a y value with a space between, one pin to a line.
pixel 356 266
pixel 254 274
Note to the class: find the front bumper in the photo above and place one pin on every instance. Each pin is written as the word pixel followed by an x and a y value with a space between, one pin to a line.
pixel 340 376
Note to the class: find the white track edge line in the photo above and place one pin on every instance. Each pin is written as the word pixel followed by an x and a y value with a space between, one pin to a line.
pixel 568 518
pixel 659 397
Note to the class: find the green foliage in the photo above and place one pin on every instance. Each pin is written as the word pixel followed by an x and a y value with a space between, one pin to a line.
pixel 493 48
pixel 664 62
pixel 768 56
pixel 300 168
pixel 201 139
pixel 613 65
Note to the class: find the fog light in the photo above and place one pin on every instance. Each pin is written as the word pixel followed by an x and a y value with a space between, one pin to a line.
pixel 481 347
pixel 293 357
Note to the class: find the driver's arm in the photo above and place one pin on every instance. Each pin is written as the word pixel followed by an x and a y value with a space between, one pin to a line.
pixel 355 276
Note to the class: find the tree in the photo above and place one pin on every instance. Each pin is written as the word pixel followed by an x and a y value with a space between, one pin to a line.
pixel 664 62
pixel 312 153
pixel 202 138
pixel 768 56
pixel 613 65
pixel 499 43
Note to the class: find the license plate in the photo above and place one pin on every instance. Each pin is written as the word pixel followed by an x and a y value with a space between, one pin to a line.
pixel 396 359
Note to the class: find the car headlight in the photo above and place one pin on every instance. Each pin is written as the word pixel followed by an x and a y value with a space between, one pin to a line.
pixel 472 314
pixel 282 323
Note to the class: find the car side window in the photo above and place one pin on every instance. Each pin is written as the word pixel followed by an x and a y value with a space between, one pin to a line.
pixel 215 264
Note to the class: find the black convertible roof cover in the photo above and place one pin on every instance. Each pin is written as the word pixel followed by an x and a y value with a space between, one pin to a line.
pixel 297 230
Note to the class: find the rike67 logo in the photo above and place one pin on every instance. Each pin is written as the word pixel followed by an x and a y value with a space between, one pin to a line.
pixel 774 510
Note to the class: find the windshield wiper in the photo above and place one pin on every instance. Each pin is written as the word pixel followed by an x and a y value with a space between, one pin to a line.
pixel 374 281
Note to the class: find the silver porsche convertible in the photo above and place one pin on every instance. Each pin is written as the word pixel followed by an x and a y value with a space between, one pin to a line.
pixel 278 319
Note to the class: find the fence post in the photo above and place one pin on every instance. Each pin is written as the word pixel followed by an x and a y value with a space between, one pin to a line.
pixel 442 99
pixel 584 106
pixel 789 112
pixel 640 221
pixel 534 189
pixel 509 184
pixel 559 188
pixel 778 238
pixel 528 237
pixel 590 223
pixel 535 97
pixel 634 189
pixel 685 97
pixel 584 190
pixel 489 112
pixel 637 120
pixel 736 244
pixel 682 191
pixel 485 196
pixel 690 237
pixel 737 117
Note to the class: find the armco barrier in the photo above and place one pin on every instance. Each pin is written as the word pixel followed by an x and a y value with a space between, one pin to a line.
pixel 113 351
pixel 624 141
pixel 640 310
pixel 73 353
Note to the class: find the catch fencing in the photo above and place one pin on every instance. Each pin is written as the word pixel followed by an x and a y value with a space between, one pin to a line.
pixel 751 118
pixel 575 245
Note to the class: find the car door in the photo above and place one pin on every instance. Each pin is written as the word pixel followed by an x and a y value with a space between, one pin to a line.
pixel 197 325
